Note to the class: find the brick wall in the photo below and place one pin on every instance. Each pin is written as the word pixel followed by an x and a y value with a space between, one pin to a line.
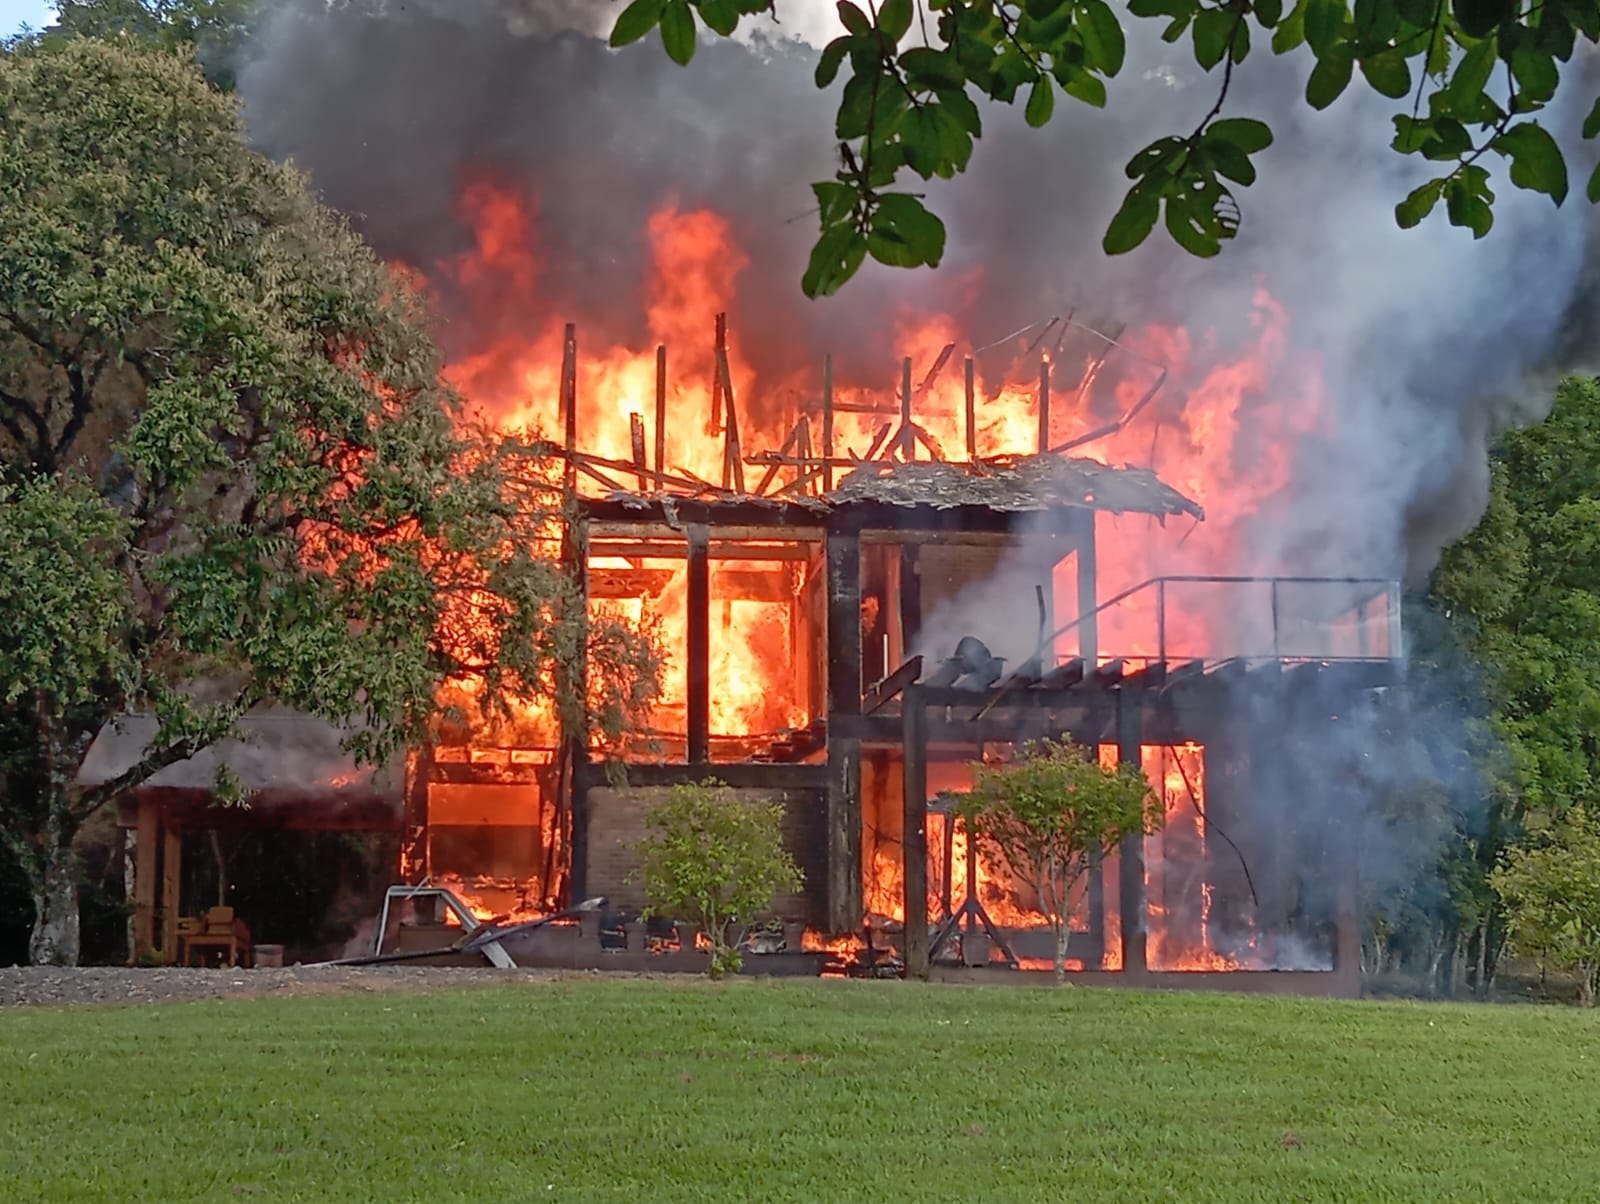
pixel 616 826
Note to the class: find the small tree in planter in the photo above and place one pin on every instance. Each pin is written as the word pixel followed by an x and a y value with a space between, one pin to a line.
pixel 1049 815
pixel 1551 891
pixel 716 859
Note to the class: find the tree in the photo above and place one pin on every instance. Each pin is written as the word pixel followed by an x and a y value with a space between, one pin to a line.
pixel 213 31
pixel 1050 815
pixel 716 859
pixel 229 475
pixel 1485 68
pixel 1551 890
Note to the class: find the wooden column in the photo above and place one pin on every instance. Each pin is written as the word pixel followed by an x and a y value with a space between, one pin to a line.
pixel 661 410
pixel 972 411
pixel 827 423
pixel 569 404
pixel 1130 873
pixel 171 879
pixel 914 741
pixel 910 603
pixel 844 901
pixel 698 653
pixel 147 850
pixel 1089 627
pixel 1044 406
pixel 908 441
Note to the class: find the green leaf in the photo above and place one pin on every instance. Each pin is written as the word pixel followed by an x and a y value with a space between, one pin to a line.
pixel 638 19
pixel 677 31
pixel 1535 72
pixel 894 19
pixel 1594 185
pixel 722 16
pixel 1479 17
pixel 831 60
pixel 1291 31
pixel 1388 73
pixel 855 108
pixel 833 261
pixel 1159 156
pixel 959 105
pixel 836 199
pixel 1329 78
pixel 1269 12
pixel 1325 21
pixel 1133 221
pixel 932 68
pixel 1536 161
pixel 1088 88
pixel 853 18
pixel 1102 35
pixel 1230 161
pixel 1162 8
pixel 1591 123
pixel 1191 227
pixel 1418 204
pixel 921 135
pixel 1246 133
pixel 1472 73
pixel 1041 102
pixel 1212 29
pixel 904 218
pixel 1465 204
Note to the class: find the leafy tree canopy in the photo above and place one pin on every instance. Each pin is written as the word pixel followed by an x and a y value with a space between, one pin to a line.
pixel 212 30
pixel 1551 890
pixel 229 475
pixel 1470 78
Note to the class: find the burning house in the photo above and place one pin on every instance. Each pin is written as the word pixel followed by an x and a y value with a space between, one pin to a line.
pixel 889 588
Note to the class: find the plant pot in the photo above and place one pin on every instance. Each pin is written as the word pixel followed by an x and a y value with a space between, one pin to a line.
pixel 687 934
pixel 794 937
pixel 975 948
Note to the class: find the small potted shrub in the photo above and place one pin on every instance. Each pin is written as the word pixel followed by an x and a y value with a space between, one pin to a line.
pixel 716 860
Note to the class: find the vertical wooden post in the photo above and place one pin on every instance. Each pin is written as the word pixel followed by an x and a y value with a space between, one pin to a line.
pixel 698 652
pixel 827 423
pixel 636 445
pixel 908 441
pixel 414 859
pixel 732 455
pixel 715 426
pixel 1130 872
pixel 914 742
pixel 1044 406
pixel 569 403
pixel 1089 627
pixel 844 750
pixel 171 880
pixel 972 411
pixel 910 603
pixel 146 851
pixel 661 408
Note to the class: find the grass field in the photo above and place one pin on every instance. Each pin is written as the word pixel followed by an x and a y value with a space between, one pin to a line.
pixel 647 1091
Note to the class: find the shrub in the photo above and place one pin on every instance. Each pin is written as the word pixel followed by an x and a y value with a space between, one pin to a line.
pixel 717 859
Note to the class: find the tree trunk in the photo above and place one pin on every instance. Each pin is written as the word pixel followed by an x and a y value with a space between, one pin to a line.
pixel 1063 929
pixel 1587 972
pixel 54 879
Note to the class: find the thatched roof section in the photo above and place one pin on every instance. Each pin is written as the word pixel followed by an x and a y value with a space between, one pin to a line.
pixel 1024 483
pixel 280 751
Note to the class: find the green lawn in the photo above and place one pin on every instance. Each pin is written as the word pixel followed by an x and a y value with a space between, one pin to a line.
pixel 645 1091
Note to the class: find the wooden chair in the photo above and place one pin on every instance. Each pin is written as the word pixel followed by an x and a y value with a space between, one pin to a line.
pixel 221 932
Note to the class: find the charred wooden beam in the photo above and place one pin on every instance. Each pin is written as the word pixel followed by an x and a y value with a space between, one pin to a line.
pixel 747 775
pixel 661 408
pixel 629 583
pixel 844 625
pixel 1064 676
pixel 1130 871
pixel 887 689
pixel 910 597
pixel 569 402
pixel 938 367
pixel 903 442
pixel 636 446
pixel 914 718
pixel 1044 406
pixel 698 652
pixel 1108 674
pixel 972 411
pixel 827 422
pixel 843 813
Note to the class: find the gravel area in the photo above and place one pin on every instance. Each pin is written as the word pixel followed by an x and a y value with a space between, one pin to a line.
pixel 43 986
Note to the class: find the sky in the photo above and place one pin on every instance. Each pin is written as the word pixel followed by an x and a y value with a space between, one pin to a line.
pixel 16 13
